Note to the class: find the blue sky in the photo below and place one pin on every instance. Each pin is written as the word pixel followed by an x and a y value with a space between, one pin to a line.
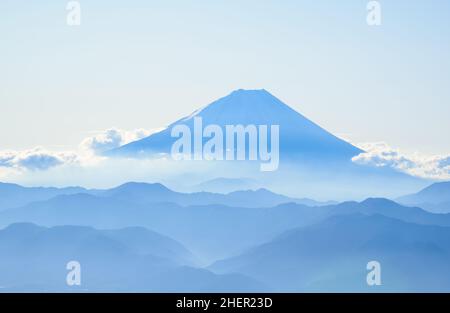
pixel 142 64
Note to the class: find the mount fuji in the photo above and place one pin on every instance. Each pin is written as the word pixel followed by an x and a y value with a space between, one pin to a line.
pixel 313 162
pixel 299 137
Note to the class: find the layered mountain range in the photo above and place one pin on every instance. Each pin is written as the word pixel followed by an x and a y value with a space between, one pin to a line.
pixel 147 237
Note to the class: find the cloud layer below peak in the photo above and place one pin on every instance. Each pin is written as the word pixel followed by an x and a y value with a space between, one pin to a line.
pixel 112 138
pixel 36 159
pixel 380 154
pixel 90 154
pixel 90 151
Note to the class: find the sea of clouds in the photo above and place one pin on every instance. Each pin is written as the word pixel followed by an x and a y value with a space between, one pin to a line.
pixel 88 160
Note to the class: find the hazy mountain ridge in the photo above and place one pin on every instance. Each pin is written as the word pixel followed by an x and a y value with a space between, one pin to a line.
pixel 239 227
pixel 146 193
pixel 332 256
pixel 34 258
pixel 434 198
pixel 13 195
pixel 226 185
pixel 374 228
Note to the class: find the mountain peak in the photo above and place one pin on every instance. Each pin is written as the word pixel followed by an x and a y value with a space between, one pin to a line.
pixel 380 202
pixel 437 188
pixel 250 92
pixel 133 186
pixel 248 99
pixel 299 137
pixel 433 197
pixel 248 106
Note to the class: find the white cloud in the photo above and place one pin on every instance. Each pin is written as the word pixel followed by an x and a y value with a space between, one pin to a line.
pixel 381 154
pixel 35 159
pixel 112 138
pixel 89 154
